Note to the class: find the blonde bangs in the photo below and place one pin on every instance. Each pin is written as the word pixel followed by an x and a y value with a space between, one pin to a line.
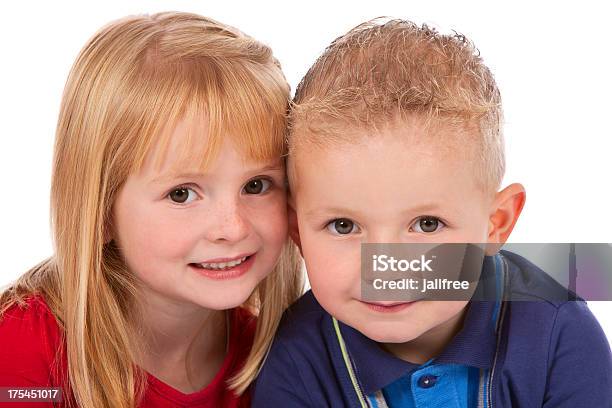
pixel 228 100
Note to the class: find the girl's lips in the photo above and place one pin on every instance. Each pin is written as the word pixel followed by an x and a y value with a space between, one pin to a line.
pixel 219 260
pixel 226 273
pixel 386 307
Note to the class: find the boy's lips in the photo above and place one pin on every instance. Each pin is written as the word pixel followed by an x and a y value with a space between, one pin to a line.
pixel 387 307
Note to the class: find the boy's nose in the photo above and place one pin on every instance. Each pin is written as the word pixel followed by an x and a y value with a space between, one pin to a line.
pixel 227 224
pixel 384 236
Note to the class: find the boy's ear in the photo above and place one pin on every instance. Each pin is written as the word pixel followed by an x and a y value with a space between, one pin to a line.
pixel 507 207
pixel 294 231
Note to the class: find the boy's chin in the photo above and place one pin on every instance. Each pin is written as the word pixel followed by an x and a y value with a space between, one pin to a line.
pixel 385 332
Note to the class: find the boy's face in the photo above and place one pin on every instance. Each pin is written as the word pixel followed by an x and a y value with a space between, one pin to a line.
pixel 393 187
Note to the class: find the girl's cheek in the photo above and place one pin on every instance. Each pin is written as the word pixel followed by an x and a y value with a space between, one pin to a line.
pixel 159 235
pixel 271 222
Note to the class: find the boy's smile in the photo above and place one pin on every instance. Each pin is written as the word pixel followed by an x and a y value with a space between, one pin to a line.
pixel 396 186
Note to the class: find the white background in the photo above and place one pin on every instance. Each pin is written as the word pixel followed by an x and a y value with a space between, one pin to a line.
pixel 551 61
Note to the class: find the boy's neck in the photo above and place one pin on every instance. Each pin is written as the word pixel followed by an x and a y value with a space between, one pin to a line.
pixel 429 344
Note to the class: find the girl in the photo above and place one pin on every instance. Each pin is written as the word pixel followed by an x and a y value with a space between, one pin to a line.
pixel 169 223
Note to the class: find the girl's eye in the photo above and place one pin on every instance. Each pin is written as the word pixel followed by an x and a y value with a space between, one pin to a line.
pixel 428 225
pixel 342 226
pixel 182 195
pixel 257 186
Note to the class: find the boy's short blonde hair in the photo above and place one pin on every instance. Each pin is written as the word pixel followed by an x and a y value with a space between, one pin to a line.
pixel 385 72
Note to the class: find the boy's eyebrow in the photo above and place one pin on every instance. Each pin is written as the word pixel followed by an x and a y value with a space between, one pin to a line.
pixel 421 208
pixel 424 207
pixel 331 211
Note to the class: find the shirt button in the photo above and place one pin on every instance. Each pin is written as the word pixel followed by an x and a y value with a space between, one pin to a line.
pixel 427 381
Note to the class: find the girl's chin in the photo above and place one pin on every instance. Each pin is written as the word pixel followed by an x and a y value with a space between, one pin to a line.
pixel 227 298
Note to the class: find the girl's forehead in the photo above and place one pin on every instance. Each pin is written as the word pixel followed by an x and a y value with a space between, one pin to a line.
pixel 180 141
pixel 191 147
pixel 187 140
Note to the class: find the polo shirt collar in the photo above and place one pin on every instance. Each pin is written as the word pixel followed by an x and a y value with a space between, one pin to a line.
pixel 473 346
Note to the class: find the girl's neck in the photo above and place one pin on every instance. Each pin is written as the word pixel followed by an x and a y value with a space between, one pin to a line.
pixel 183 344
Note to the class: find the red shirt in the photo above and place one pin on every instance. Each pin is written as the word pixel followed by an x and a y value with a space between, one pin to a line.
pixel 32 354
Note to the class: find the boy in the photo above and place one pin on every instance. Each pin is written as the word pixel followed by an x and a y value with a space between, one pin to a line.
pixel 395 137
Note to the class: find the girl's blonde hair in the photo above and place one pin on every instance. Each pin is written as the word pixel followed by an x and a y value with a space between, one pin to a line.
pixel 132 81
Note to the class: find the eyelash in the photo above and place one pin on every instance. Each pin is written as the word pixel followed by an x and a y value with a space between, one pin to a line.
pixel 419 219
pixel 268 179
pixel 329 225
pixel 189 187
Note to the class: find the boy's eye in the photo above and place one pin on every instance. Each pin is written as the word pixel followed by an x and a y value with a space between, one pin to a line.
pixel 427 225
pixel 257 186
pixel 182 195
pixel 342 226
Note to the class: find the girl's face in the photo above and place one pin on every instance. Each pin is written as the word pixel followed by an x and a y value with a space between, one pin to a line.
pixel 202 238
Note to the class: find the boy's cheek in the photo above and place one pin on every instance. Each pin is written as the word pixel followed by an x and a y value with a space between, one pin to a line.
pixel 332 277
pixel 331 297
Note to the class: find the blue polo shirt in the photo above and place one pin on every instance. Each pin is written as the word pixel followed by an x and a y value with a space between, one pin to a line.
pixel 430 385
pixel 537 352
pixel 453 382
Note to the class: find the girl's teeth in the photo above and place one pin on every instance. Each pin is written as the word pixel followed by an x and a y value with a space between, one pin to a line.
pixel 223 265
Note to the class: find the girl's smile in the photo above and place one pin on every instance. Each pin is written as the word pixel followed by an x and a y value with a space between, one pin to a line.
pixel 228 269
pixel 202 235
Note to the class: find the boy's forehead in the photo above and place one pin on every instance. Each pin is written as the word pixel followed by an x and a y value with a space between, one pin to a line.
pixel 412 136
pixel 427 166
pixel 416 131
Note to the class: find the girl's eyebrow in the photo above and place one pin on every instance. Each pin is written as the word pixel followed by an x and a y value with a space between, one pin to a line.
pixel 175 176
pixel 271 167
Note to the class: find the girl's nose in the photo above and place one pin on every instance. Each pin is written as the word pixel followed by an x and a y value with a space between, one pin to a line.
pixel 228 224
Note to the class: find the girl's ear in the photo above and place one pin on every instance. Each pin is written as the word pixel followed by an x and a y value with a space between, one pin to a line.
pixel 506 209
pixel 109 231
pixel 294 231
